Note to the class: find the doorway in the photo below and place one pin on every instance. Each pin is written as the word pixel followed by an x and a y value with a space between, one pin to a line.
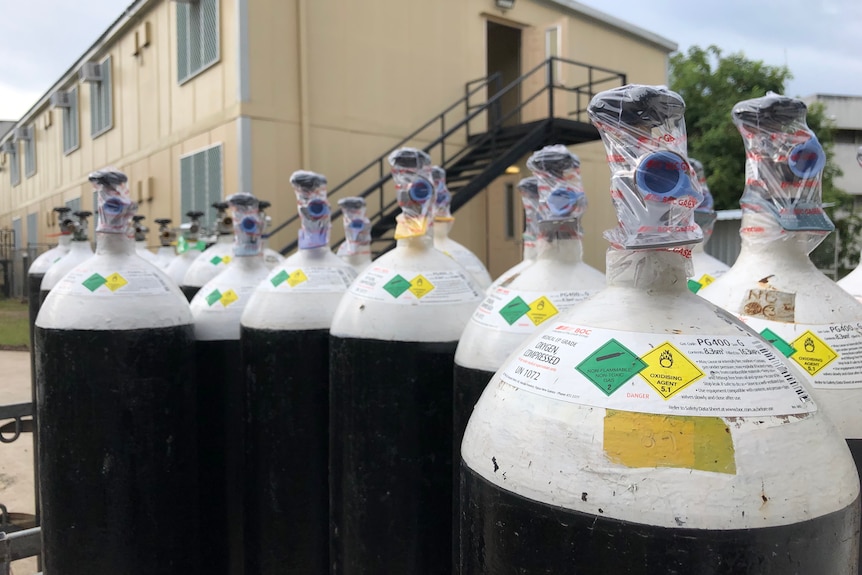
pixel 504 56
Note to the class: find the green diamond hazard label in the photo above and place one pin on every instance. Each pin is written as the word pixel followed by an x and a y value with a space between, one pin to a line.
pixel 610 366
pixel 213 297
pixel 694 286
pixel 514 310
pixel 94 282
pixel 668 370
pixel 279 278
pixel 397 286
pixel 777 342
pixel 812 353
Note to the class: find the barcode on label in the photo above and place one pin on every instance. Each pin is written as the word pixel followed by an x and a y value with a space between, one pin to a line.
pixel 794 383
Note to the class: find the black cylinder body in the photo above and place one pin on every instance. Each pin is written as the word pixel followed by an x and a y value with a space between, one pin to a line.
pixel 220 406
pixel 391 456
pixel 286 468
pixel 506 534
pixel 855 446
pixel 117 450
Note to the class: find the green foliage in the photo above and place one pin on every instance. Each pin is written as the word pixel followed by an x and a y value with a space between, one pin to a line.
pixel 14 324
pixel 711 83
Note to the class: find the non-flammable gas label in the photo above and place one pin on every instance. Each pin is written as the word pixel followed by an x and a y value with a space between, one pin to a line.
pixel 85 279
pixel 519 311
pixel 429 287
pixel 719 376
pixel 830 356
pixel 317 279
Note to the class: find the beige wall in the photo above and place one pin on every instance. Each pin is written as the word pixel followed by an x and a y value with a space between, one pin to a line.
pixel 155 121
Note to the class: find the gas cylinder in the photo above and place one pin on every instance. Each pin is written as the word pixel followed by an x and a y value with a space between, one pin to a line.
pixel 217 309
pixel 443 222
pixel 852 282
pixel 116 410
pixel 167 240
pixel 140 232
pixel 286 322
pixel 529 188
pixel 215 258
pixel 356 247
pixel 773 286
pixel 79 251
pixel 270 257
pixel 554 283
pixel 392 348
pixel 189 247
pixel 646 430
pixel 706 267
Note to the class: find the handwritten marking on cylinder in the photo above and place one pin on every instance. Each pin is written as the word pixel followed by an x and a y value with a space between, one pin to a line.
pixel 770 304
pixel 649 440
pixel 668 370
pixel 812 353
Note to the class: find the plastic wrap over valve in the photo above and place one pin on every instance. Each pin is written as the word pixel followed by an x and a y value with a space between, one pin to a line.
pixel 529 188
pixel 654 188
pixel 411 170
pixel 561 194
pixel 313 207
pixel 443 200
pixel 357 227
pixel 116 207
pixel 704 214
pixel 247 225
pixel 783 167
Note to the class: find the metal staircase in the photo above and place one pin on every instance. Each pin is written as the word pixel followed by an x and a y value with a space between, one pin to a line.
pixel 553 111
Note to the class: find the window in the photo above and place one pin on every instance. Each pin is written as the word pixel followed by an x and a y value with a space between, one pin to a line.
pixel 70 123
pixel 197 37
pixel 30 153
pixel 200 181
pixel 14 166
pixel 101 103
pixel 16 228
pixel 552 49
pixel 32 230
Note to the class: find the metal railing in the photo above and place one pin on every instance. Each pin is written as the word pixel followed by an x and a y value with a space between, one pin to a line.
pixel 461 134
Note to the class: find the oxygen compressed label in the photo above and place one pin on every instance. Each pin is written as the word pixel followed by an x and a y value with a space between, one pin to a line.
pixel 523 311
pixel 309 279
pixel 829 355
pixel 718 376
pixel 429 287
pixel 87 280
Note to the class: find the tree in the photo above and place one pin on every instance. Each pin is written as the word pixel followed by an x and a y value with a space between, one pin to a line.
pixel 711 83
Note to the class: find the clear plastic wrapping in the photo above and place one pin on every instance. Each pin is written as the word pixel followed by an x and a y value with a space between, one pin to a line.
pixel 562 200
pixel 783 168
pixel 116 207
pixel 414 188
pixel 247 225
pixel 313 207
pixel 357 227
pixel 529 188
pixel 704 214
pixel 443 200
pixel 653 186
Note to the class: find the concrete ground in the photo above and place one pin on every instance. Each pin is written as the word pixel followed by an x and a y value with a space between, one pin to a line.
pixel 16 459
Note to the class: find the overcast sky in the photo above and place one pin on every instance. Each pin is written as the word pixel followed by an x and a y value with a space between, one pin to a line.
pixel 819 40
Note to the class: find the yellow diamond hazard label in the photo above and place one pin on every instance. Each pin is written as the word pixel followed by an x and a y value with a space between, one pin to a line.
pixel 115 281
pixel 297 278
pixel 668 370
pixel 420 286
pixel 228 297
pixel 541 310
pixel 705 280
pixel 225 259
pixel 812 353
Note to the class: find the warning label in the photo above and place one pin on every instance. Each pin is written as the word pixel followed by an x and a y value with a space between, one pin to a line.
pixel 830 355
pixel 522 311
pixel 719 376
pixel 668 370
pixel 87 279
pixel 430 287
